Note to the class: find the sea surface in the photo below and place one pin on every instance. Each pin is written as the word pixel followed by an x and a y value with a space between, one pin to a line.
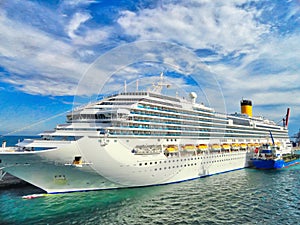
pixel 246 196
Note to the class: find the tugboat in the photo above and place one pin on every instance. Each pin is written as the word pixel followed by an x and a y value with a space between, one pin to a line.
pixel 269 157
pixel 273 157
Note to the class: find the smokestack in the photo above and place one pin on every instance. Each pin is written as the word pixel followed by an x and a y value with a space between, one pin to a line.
pixel 287 117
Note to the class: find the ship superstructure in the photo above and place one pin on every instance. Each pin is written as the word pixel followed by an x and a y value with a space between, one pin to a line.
pixel 140 138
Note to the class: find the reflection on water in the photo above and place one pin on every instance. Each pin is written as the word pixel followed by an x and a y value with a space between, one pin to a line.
pixel 241 197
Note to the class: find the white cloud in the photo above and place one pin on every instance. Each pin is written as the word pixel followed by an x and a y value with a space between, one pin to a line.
pixel 75 23
pixel 266 72
pixel 78 2
pixel 220 26
pixel 83 35
pixel 32 56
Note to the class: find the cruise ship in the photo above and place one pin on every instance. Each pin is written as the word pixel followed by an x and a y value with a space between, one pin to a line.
pixel 140 138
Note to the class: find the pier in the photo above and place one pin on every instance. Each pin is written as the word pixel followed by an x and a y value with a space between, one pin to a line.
pixel 9 181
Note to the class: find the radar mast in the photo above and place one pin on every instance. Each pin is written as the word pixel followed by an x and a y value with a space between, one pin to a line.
pixel 157 87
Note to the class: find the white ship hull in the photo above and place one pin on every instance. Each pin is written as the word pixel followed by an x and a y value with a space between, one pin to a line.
pixel 113 166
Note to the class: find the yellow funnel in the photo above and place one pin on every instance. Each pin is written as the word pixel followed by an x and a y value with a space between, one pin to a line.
pixel 246 107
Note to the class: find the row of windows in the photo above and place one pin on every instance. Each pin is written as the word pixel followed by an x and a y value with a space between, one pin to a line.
pixel 184 133
pixel 174 113
pixel 235 156
pixel 184 165
pixel 174 110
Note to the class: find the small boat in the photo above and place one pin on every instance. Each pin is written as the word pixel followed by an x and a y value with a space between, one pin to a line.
pixel 250 145
pixel 202 147
pixel 172 148
pixel 243 146
pixel 225 146
pixel 216 147
pixel 189 147
pixel 34 196
pixel 235 146
pixel 270 157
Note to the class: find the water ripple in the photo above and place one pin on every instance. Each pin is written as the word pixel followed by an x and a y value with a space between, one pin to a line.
pixel 240 197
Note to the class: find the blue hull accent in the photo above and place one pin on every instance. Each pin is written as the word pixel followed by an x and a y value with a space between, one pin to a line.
pixel 291 163
pixel 272 164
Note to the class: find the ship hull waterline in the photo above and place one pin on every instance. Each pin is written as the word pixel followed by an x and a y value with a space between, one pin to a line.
pixel 105 172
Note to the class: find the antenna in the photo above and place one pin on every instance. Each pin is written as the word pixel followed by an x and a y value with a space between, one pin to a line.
pixel 159 85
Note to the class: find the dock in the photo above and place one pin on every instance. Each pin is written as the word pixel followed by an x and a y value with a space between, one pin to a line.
pixel 10 181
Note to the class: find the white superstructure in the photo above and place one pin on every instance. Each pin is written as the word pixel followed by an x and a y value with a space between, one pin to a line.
pixel 138 138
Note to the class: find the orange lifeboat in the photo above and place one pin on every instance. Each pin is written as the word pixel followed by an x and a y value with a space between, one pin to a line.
pixel 172 148
pixel 189 147
pixel 225 146
pixel 243 146
pixel 235 146
pixel 202 147
pixel 216 147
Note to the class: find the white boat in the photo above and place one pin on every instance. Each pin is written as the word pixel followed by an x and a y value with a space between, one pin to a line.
pixel 134 139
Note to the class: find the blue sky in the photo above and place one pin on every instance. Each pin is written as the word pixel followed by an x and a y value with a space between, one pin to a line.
pixel 48 47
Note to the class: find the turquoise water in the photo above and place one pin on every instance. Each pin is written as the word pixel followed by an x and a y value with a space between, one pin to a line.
pixel 245 196
pixel 241 197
